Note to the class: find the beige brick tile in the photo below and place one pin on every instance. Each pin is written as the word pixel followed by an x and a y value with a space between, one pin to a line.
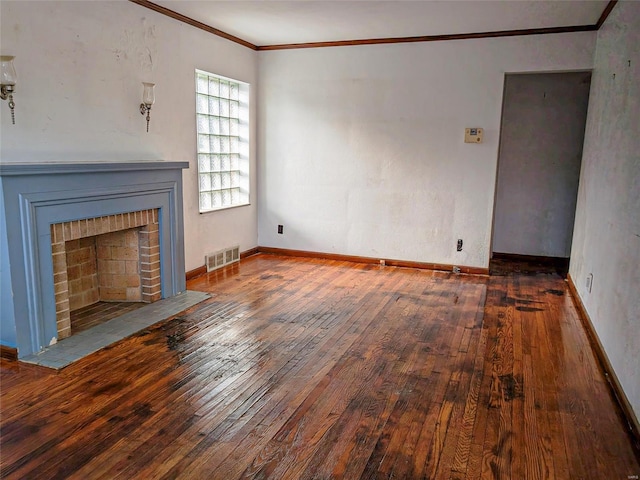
pixel 154 240
pixel 58 232
pixel 75 302
pixel 60 276
pixel 59 261
pixel 93 296
pixel 82 228
pixel 149 290
pixel 75 229
pixel 130 238
pixel 150 298
pixel 62 306
pixel 74 272
pixel 150 270
pixel 151 282
pixel 105 280
pixel 88 268
pixel 64 332
pixel 107 267
pixel 114 239
pixel 118 267
pixel 87 283
pixel 103 253
pixel 110 294
pixel 131 280
pixel 111 224
pixel 82 255
pixel 134 294
pixel 87 242
pixel 102 225
pixel 66 226
pixel 75 285
pixel 102 265
pixel 124 253
pixel 132 266
pixel 60 288
pixel 57 247
pixel 72 245
pixel 91 227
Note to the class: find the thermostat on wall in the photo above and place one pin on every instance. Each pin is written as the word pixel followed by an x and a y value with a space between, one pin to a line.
pixel 472 135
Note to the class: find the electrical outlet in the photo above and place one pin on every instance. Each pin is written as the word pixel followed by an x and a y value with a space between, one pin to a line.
pixel 280 229
pixel 589 282
pixel 459 247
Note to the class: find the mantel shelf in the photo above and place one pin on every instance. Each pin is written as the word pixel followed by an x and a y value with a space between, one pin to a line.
pixel 50 168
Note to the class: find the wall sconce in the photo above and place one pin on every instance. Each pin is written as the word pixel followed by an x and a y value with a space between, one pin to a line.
pixel 8 79
pixel 148 98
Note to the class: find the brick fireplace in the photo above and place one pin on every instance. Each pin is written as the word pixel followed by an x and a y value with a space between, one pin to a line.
pixel 115 258
pixel 76 233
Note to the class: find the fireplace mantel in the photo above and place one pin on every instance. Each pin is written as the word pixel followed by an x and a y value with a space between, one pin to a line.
pixel 52 168
pixel 34 196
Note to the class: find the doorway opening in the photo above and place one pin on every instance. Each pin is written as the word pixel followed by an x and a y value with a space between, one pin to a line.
pixel 541 139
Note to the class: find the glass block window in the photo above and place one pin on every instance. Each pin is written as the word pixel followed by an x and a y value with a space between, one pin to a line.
pixel 222 117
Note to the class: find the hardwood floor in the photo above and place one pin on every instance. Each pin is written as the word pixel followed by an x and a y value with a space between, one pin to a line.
pixel 300 368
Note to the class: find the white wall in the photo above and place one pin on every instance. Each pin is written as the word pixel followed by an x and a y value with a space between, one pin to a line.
pixel 606 238
pixel 361 148
pixel 80 66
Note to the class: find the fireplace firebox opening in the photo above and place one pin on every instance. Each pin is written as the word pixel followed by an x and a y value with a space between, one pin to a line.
pixel 114 258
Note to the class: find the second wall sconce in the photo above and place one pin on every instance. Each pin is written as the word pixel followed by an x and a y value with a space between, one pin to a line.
pixel 8 80
pixel 148 98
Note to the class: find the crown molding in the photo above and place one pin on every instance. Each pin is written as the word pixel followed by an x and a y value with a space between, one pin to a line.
pixel 605 13
pixel 377 41
pixel 433 38
pixel 193 23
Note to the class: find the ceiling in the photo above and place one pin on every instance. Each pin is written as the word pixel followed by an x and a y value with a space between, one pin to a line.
pixel 273 22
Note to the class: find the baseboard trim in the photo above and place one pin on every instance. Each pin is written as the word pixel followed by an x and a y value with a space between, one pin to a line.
pixel 196 272
pixel 374 261
pixel 248 253
pixel 8 353
pixel 626 411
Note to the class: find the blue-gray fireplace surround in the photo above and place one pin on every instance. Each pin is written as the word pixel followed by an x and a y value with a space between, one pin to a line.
pixel 33 196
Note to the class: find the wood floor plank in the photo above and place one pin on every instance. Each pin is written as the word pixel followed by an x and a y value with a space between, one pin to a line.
pixel 305 369
pixel 462 456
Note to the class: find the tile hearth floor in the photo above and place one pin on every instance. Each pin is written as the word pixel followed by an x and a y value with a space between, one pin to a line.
pixel 88 341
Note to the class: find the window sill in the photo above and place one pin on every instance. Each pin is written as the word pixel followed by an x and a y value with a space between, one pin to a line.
pixel 213 210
